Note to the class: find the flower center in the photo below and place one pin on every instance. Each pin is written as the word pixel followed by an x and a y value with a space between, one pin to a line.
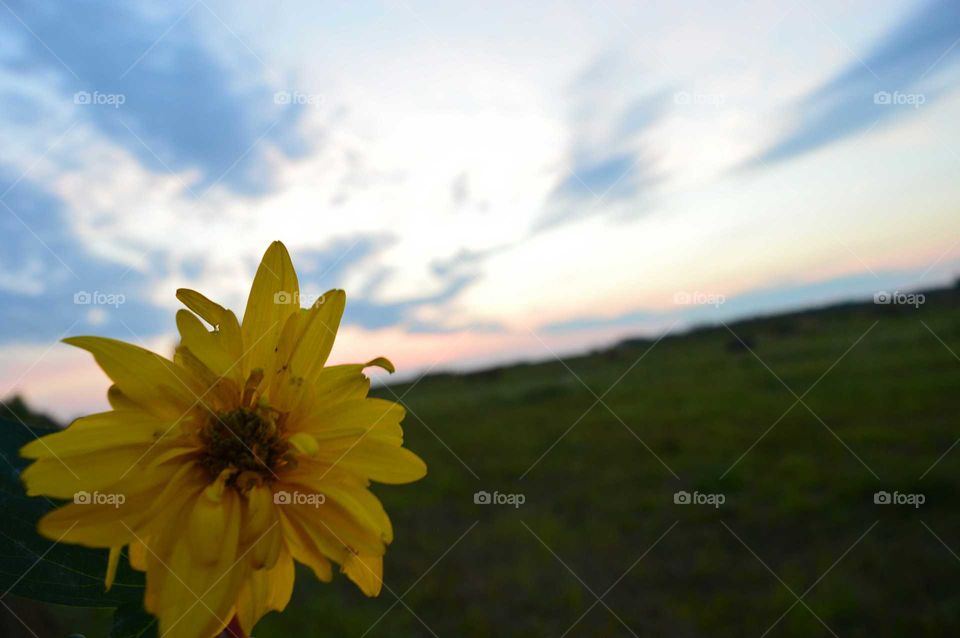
pixel 246 441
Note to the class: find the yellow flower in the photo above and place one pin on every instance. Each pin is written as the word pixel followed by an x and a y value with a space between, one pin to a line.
pixel 220 468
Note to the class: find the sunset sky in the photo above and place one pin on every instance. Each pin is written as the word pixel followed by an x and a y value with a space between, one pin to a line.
pixel 489 182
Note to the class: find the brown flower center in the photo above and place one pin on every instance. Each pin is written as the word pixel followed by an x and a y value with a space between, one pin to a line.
pixel 247 441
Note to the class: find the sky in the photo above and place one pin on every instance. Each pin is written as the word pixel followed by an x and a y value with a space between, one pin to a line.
pixel 489 182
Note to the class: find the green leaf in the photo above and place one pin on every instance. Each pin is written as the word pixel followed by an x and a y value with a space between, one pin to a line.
pixel 35 567
pixel 132 621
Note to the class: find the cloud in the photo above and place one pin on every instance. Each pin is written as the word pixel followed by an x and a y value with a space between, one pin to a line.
pixel 51 284
pixel 153 84
pixel 610 168
pixel 887 82
pixel 372 314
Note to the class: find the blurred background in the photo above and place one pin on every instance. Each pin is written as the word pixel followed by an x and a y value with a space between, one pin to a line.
pixel 560 183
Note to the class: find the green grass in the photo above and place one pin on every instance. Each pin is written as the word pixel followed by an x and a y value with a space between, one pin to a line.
pixel 599 499
pixel 798 497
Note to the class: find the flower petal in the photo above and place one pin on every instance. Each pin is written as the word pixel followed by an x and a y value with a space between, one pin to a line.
pixel 318 331
pixel 262 536
pixel 378 417
pixel 209 524
pixel 137 555
pixel 95 432
pixel 96 523
pixel 274 296
pixel 366 571
pixel 266 590
pixel 210 311
pixel 310 546
pixel 374 459
pixel 336 516
pixel 63 477
pixel 157 384
pixel 208 346
pixel 193 599
pixel 220 392
pixel 113 561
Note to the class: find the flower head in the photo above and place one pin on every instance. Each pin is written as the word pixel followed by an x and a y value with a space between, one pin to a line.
pixel 218 469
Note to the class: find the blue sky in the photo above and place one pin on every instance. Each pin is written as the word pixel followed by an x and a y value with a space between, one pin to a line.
pixel 488 181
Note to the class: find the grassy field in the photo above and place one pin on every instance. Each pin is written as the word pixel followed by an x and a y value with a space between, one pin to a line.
pixel 796 426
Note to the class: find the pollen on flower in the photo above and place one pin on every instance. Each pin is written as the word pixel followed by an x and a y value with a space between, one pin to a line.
pixel 246 441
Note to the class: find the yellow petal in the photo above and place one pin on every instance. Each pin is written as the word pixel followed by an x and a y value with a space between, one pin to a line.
pixel 265 590
pixel 113 560
pixel 226 329
pixel 348 526
pixel 353 498
pixel 379 417
pixel 310 546
pixel 285 387
pixel 261 537
pixel 62 477
pixel 274 296
pixel 195 599
pixel 206 345
pixel 366 571
pixel 137 555
pixel 374 509
pixel 119 401
pixel 374 459
pixel 333 385
pixel 95 432
pixel 304 443
pixel 157 384
pixel 320 327
pixel 210 311
pixel 208 525
pixel 103 519
pixel 219 393
pixel 362 506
